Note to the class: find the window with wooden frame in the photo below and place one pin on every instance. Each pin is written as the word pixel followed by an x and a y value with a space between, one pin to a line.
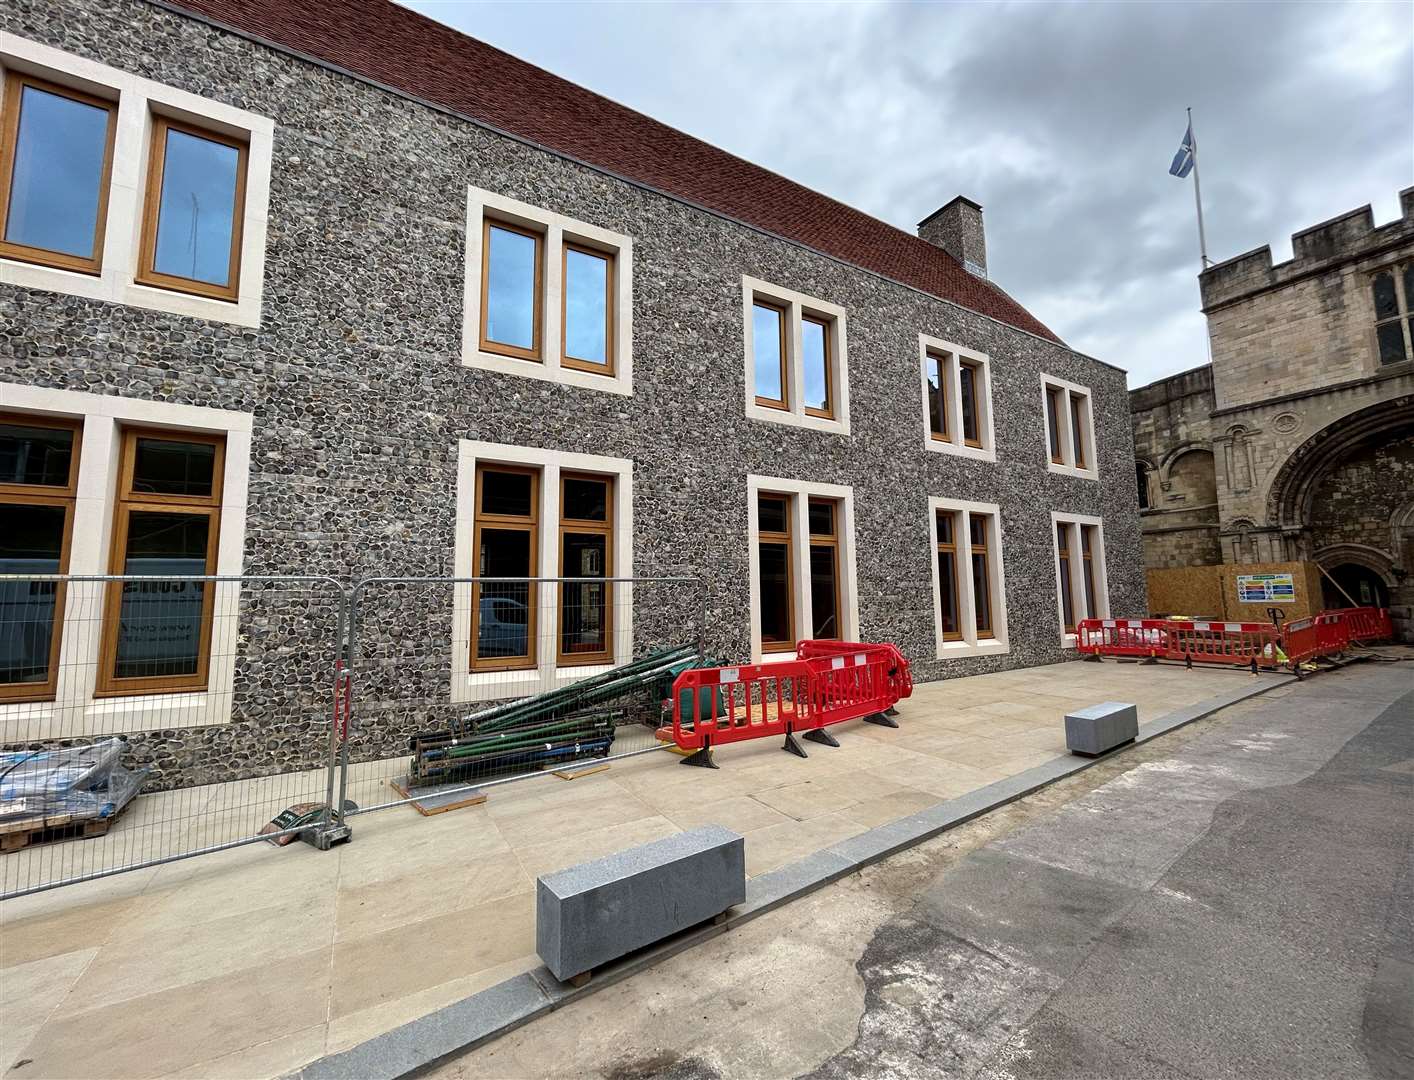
pixel 938 397
pixel 1067 592
pixel 1087 563
pixel 39 459
pixel 157 634
pixel 586 551
pixel 1054 397
pixel 505 542
pixel 193 211
pixel 56 163
pixel 967 373
pixel 948 611
pixel 1393 295
pixel 768 342
pixel 587 309
pixel 981 575
pixel 775 578
pixel 816 363
pixel 825 601
pixel 512 288
pixel 1078 405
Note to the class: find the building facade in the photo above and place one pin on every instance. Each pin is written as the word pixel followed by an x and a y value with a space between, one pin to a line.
pixel 1297 443
pixel 331 312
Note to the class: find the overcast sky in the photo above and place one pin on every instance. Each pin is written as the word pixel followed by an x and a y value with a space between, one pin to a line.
pixel 1061 120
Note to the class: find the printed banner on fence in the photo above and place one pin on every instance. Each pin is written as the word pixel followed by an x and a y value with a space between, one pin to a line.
pixel 1260 588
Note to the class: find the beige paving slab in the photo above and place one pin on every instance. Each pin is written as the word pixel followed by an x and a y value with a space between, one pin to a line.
pixel 882 809
pixel 389 902
pixel 399 841
pixel 613 806
pixel 155 1034
pixel 776 845
pixel 379 968
pixel 64 920
pixel 278 1057
pixel 546 858
pixel 29 994
pixel 740 813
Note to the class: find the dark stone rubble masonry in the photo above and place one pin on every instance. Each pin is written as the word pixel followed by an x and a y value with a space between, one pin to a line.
pixel 359 396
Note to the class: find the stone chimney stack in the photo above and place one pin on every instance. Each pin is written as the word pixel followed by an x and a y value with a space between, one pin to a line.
pixel 957 229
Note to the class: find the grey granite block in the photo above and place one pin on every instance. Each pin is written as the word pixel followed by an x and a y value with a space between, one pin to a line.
pixel 1098 728
pixel 598 911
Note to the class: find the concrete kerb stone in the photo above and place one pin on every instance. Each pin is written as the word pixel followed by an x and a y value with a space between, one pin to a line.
pixel 504 1007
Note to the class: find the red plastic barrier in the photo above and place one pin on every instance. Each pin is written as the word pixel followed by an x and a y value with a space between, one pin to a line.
pixel 1236 643
pixel 1366 623
pixel 900 676
pixel 1325 634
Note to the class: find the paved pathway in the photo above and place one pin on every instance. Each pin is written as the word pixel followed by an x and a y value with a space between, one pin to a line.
pixel 1232 901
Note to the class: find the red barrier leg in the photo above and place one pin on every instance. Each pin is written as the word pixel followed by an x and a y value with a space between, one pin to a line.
pixel 702 759
pixel 883 719
pixel 821 736
pixel 791 746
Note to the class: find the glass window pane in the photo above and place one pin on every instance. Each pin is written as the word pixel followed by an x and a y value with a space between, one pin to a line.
pixel 766 347
pixel 1391 338
pixel 35 455
pixel 770 514
pixel 947 591
pixel 168 467
pixel 159 623
pixel 945 526
pixel 1090 611
pixel 585 500
pixel 1053 423
pixel 506 493
pixel 586 306
pixel 510 288
pixel 1409 289
pixel 503 608
pixel 1141 477
pixel 58 173
pixel 967 399
pixel 1386 303
pixel 824 600
pixel 583 611
pixel 1077 427
pixel 977 530
pixel 197 213
pixel 981 594
pixel 937 414
pixel 815 357
pixel 775 593
pixel 31 542
pixel 822 517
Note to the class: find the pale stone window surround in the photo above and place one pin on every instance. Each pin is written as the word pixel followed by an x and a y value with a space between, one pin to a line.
pixel 801 492
pixel 797 305
pixel 470 685
pixel 1072 522
pixel 74 710
pixel 971 644
pixel 952 355
pixel 138 99
pixel 554 230
pixel 1067 438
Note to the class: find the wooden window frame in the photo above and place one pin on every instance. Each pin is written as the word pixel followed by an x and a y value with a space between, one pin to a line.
pixel 783 538
pixel 129 501
pixel 1078 403
pixel 827 327
pixel 15 82
pixel 147 272
pixel 941 359
pixel 983 549
pixel 1067 582
pixel 580 526
pixel 611 267
pixel 506 523
pixel 949 548
pixel 1055 396
pixel 782 320
pixel 47 495
pixel 537 334
pixel 970 369
pixel 832 542
pixel 1087 567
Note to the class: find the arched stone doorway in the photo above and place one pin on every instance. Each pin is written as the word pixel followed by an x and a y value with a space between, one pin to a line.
pixel 1353 583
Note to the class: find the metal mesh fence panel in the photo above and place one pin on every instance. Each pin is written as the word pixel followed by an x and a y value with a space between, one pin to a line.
pixel 457 683
pixel 146 718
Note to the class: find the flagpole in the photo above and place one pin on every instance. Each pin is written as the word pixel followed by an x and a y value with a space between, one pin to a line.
pixel 1198 196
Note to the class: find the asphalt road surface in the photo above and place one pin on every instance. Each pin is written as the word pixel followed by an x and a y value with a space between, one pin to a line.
pixel 1232 900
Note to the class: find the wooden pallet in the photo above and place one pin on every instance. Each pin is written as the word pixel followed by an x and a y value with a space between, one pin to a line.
pixel 17 835
pixel 439 798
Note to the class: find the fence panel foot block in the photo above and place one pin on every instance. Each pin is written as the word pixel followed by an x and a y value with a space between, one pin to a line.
pixel 1097 729
pixel 596 912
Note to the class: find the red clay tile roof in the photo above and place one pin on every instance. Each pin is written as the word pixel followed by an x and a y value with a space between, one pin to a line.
pixel 408 52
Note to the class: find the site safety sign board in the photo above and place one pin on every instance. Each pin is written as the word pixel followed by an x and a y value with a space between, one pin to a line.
pixel 1257 588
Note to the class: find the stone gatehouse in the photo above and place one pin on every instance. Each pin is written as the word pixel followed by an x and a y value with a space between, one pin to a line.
pixel 1298 441
pixel 340 291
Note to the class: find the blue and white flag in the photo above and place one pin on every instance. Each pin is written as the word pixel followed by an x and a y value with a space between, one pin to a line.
pixel 1183 160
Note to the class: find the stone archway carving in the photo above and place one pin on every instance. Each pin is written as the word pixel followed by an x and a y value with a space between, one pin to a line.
pixel 1295 483
pixel 1166 462
pixel 1371 558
